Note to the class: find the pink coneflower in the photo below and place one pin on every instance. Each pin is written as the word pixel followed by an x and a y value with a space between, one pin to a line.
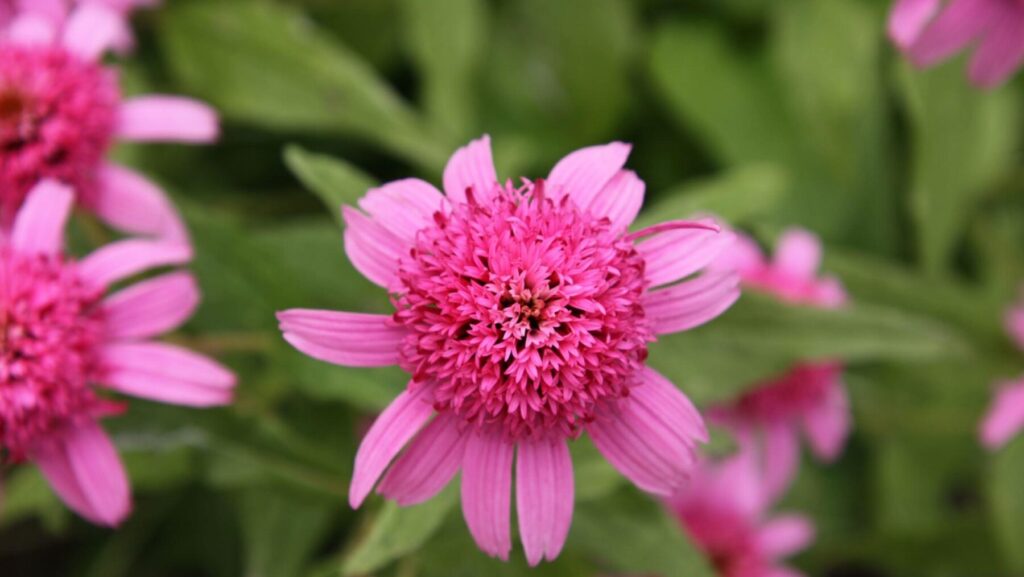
pixel 62 342
pixel 523 315
pixel 930 31
pixel 60 111
pixel 1005 417
pixel 725 509
pixel 810 396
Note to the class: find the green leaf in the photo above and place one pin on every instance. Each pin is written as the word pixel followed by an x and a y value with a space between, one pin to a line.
pixel 737 195
pixel 263 63
pixel 333 180
pixel 282 530
pixel 446 40
pixel 1006 500
pixel 960 147
pixel 632 534
pixel 398 531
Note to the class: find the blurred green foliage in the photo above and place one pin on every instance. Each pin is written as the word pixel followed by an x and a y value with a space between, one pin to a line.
pixel 769 113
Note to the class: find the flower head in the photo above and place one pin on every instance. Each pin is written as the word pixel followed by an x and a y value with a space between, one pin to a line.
pixel 931 31
pixel 811 395
pixel 61 110
pixel 1005 416
pixel 724 509
pixel 63 342
pixel 523 315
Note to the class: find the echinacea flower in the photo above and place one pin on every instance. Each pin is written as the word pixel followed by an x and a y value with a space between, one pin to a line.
pixel 930 31
pixel 725 510
pixel 1005 417
pixel 62 343
pixel 811 395
pixel 60 112
pixel 523 315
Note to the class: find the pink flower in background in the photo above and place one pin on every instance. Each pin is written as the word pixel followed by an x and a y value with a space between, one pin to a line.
pixel 62 343
pixel 60 112
pixel 725 510
pixel 1005 417
pixel 523 315
pixel 26 15
pixel 930 31
pixel 811 396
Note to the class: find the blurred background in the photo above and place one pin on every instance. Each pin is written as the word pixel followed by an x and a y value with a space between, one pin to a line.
pixel 769 113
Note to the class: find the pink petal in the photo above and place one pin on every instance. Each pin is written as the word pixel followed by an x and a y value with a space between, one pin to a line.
pixel 167 118
pixel 908 18
pixel 39 225
pixel 91 30
pixel 1001 52
pixel 962 22
pixel 544 497
pixel 1014 322
pixel 798 254
pixel 781 459
pixel 32 30
pixel 151 307
pixel 1005 416
pixel 692 303
pixel 620 200
pixel 471 167
pixel 676 254
pixel 742 255
pixel 166 373
pixel 785 535
pixel 487 492
pixel 428 464
pixel 342 338
pixel 123 259
pixel 828 425
pixel 584 173
pixel 399 423
pixel 649 436
pixel 85 470
pixel 373 250
pixel 131 203
pixel 403 207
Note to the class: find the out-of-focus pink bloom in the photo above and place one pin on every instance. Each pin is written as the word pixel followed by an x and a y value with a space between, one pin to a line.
pixel 930 31
pixel 21 15
pixel 1005 417
pixel 810 396
pixel 62 342
pixel 725 510
pixel 60 111
pixel 523 315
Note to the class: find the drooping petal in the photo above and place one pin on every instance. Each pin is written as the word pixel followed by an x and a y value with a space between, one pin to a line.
pixel 131 203
pixel 39 225
pixel 399 423
pixel 620 200
pixel 350 339
pixel 1001 52
pixel 167 118
pixel 428 464
pixel 647 439
pixel 487 492
pixel 676 254
pixel 781 458
pixel 166 373
pixel 122 259
pixel 83 467
pixel 1005 416
pixel 372 249
pixel 471 167
pixel 404 206
pixel 91 30
pixel 692 303
pixel 741 254
pixel 584 173
pixel 908 18
pixel 828 425
pixel 151 307
pixel 785 535
pixel 544 497
pixel 960 23
pixel 798 254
